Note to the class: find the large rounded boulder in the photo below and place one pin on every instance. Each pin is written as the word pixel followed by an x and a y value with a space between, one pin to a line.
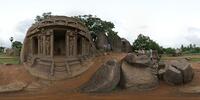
pixel 105 78
pixel 141 60
pixel 177 72
pixel 137 77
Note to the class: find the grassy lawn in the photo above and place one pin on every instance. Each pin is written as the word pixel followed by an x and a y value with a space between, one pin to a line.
pixel 8 59
pixel 193 57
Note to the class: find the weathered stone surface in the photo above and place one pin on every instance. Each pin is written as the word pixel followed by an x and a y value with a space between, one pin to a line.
pixel 161 65
pixel 178 72
pixel 116 43
pixel 142 60
pixel 173 76
pixel 13 87
pixel 105 79
pixel 161 73
pixel 126 46
pixel 190 90
pixel 137 77
pixel 102 42
pixel 185 68
pixel 54 45
pixel 33 86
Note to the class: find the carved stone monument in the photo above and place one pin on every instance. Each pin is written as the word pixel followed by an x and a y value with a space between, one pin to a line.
pixel 53 48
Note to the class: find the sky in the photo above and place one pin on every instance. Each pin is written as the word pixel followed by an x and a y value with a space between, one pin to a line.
pixel 168 22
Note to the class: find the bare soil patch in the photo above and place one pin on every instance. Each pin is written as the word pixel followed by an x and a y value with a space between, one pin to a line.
pixel 64 90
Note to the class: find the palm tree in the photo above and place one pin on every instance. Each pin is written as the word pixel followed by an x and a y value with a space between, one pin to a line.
pixel 11 40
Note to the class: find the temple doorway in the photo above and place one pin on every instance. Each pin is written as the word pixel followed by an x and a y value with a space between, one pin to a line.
pixel 59 43
pixel 35 45
pixel 79 45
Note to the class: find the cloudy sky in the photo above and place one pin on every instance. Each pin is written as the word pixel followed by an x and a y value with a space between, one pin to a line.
pixel 168 22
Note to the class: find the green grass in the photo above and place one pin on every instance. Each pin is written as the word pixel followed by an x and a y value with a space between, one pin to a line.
pixel 9 60
pixel 195 59
pixel 4 59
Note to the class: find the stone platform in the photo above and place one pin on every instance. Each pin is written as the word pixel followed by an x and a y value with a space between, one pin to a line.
pixel 57 68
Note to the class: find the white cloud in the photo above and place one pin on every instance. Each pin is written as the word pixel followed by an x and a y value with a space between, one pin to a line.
pixel 168 22
pixel 193 35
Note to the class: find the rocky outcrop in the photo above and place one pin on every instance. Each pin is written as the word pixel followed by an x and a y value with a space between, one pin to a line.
pixel 102 42
pixel 138 72
pixel 141 60
pixel 13 87
pixel 105 78
pixel 137 78
pixel 173 76
pixel 126 46
pixel 177 72
pixel 116 43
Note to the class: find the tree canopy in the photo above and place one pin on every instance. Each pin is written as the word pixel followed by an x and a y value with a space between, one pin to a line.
pixel 145 43
pixel 44 16
pixel 17 45
pixel 191 48
pixel 2 49
pixel 97 25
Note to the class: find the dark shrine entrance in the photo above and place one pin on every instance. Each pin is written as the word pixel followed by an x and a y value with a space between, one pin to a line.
pixel 79 45
pixel 35 45
pixel 59 43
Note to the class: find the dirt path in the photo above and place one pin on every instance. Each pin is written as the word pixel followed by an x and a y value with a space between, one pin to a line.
pixel 63 90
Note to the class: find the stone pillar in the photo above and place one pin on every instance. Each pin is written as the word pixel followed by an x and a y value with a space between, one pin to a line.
pixel 44 48
pixel 39 44
pixel 31 44
pixel 75 44
pixel 83 46
pixel 67 44
pixel 52 44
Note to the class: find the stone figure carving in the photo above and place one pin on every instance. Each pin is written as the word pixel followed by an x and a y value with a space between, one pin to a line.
pixel 45 53
pixel 71 43
pixel 40 39
pixel 47 43
pixel 50 32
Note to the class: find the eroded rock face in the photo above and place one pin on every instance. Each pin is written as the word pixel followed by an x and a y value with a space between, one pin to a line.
pixel 116 43
pixel 173 76
pixel 138 78
pixel 13 87
pixel 178 72
pixel 105 79
pixel 102 42
pixel 126 46
pixel 142 60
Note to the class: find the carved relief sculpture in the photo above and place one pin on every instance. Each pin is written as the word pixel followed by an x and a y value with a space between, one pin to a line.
pixel 47 43
pixel 71 43
pixel 54 48
pixel 40 44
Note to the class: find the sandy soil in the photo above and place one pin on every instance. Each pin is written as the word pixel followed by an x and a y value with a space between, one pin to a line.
pixel 64 90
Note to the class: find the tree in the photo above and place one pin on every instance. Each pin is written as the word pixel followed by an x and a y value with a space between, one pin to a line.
pixel 44 16
pixel 145 43
pixel 11 39
pixel 16 46
pixel 97 26
pixel 169 50
pixel 2 49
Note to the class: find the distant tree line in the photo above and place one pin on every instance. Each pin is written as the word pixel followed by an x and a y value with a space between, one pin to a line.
pixel 191 48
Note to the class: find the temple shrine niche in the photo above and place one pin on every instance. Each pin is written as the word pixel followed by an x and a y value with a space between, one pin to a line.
pixel 57 48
